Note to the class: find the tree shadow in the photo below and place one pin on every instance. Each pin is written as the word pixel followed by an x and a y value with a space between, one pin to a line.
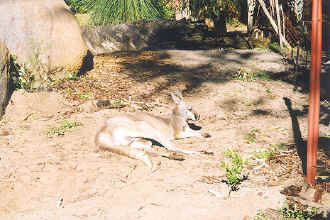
pixel 301 145
pixel 164 64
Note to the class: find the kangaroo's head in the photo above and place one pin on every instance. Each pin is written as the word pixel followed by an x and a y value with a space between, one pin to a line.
pixel 182 109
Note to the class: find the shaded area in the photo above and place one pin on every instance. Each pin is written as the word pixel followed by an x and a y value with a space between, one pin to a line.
pixel 214 66
pixel 87 64
pixel 301 145
pixel 163 35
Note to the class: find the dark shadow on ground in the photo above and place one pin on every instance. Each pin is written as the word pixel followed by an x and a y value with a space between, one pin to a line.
pixel 212 70
pixel 87 65
pixel 301 145
pixel 196 36
pixel 144 70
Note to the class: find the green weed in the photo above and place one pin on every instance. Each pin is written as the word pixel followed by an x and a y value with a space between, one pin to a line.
pixel 254 102
pixel 84 96
pixel 234 22
pixel 245 76
pixel 21 74
pixel 292 211
pixel 264 153
pixel 264 76
pixel 69 91
pixel 32 74
pixel 72 77
pixel 277 147
pixel 233 169
pixel 261 216
pixel 251 137
pixel 117 102
pixel 63 128
pixel 274 46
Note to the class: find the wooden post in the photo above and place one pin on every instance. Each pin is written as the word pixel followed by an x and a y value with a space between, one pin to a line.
pixel 314 93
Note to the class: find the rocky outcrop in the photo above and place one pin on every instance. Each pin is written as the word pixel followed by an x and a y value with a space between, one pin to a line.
pixel 132 36
pixel 42 32
pixel 4 77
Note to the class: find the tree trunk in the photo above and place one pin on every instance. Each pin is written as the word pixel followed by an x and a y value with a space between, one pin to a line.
pixel 251 7
pixel 279 22
pixel 220 26
pixel 244 11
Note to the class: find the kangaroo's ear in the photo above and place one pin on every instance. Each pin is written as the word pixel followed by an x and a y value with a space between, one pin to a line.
pixel 177 96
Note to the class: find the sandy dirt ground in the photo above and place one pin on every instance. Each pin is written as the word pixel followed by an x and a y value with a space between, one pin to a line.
pixel 59 174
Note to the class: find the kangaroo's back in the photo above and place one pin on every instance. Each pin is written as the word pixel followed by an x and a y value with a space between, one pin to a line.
pixel 142 125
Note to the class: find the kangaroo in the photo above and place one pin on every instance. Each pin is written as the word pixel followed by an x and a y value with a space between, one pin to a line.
pixel 130 134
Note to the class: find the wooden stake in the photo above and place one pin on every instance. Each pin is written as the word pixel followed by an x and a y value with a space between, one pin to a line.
pixel 314 93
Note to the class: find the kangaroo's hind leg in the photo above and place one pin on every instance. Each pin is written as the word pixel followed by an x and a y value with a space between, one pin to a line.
pixel 170 146
pixel 140 147
pixel 141 155
pixel 122 145
pixel 141 143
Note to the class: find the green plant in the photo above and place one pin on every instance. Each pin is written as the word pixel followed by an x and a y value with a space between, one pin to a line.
pixel 262 76
pixel 274 46
pixel 117 102
pixel 73 77
pixel 21 74
pixel 251 136
pixel 276 147
pixel 166 9
pixel 79 6
pixel 268 91
pixel 84 95
pixel 69 91
pixel 121 11
pixel 291 210
pixel 63 128
pixel 234 22
pixel 242 75
pixel 233 169
pixel 245 76
pixel 264 153
pixel 32 74
pixel 261 215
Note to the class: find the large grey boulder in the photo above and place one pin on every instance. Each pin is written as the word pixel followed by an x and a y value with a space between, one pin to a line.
pixel 132 36
pixel 42 32
pixel 4 77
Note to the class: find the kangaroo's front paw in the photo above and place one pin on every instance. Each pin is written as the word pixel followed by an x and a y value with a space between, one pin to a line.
pixel 206 135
